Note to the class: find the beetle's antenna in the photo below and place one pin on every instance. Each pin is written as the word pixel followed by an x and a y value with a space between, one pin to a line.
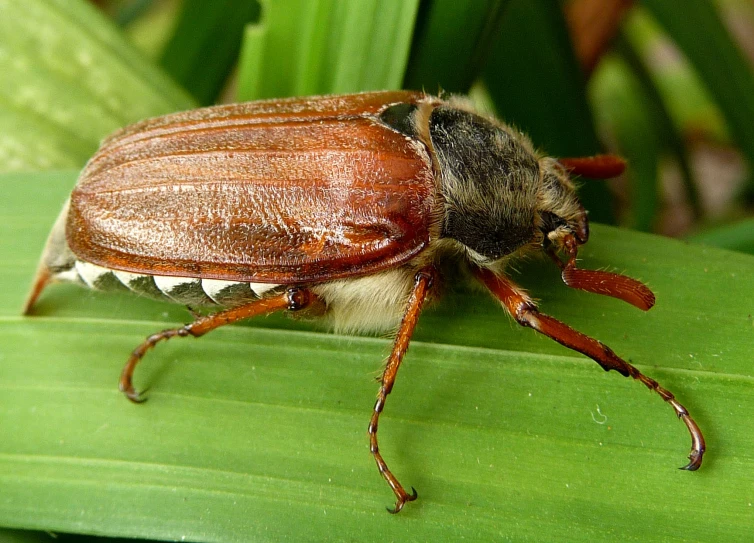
pixel 601 282
pixel 595 167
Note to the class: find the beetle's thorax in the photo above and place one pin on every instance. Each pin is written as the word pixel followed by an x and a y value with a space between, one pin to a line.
pixel 489 179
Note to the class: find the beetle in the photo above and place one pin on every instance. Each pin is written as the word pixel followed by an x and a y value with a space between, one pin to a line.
pixel 347 208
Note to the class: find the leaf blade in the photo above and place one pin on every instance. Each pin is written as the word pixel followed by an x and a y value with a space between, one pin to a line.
pixel 503 433
pixel 70 79
pixel 327 47
pixel 204 47
pixel 734 95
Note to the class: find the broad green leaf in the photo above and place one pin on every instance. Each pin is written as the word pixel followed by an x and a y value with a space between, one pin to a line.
pixel 69 78
pixel 537 85
pixel 737 236
pixel 698 31
pixel 30 536
pixel 258 432
pixel 451 43
pixel 303 47
pixel 205 44
pixel 23 536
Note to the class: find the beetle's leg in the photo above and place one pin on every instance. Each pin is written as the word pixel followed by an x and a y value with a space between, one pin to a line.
pixel 524 310
pixel 422 284
pixel 293 299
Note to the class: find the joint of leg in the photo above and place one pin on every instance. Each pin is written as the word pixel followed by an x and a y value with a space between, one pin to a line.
pixel 297 298
pixel 679 409
pixel 525 314
pixel 428 274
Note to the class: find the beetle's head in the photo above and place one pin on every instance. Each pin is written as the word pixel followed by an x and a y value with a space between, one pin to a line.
pixel 563 219
pixel 564 227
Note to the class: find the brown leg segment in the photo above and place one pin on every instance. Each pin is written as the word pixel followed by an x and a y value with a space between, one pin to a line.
pixel 523 309
pixel 293 299
pixel 423 283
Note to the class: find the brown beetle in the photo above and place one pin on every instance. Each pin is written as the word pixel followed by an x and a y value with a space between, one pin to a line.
pixel 342 207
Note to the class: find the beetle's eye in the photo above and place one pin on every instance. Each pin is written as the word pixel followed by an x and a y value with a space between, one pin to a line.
pixel 551 222
pixel 399 117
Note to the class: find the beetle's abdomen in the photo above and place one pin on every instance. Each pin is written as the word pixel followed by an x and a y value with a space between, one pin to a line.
pixel 62 265
pixel 372 303
pixel 189 291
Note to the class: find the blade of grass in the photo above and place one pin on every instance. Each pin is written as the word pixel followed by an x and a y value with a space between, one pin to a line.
pixel 698 31
pixel 69 79
pixel 205 44
pixel 29 536
pixel 738 236
pixel 127 13
pixel 621 105
pixel 504 434
pixel 150 30
pixel 24 536
pixel 452 43
pixel 683 92
pixel 326 47
pixel 673 141
pixel 537 85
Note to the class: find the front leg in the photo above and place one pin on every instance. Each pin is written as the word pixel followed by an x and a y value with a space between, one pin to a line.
pixel 525 311
pixel 422 284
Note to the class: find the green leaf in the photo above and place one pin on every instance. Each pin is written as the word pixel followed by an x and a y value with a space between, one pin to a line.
pixel 684 94
pixel 69 78
pixel 147 24
pixel 506 435
pixel 697 29
pixel 451 43
pixel 29 536
pixel 538 86
pixel 304 47
pixel 666 129
pixel 205 44
pixel 737 236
